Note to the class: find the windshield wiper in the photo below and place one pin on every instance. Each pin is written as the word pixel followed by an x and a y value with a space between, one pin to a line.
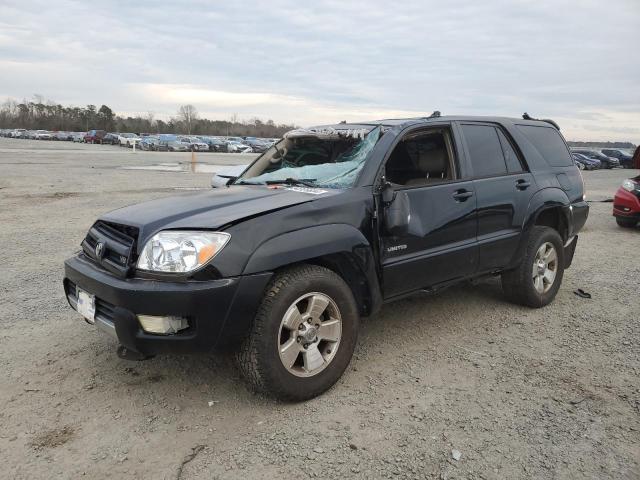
pixel 307 182
pixel 244 182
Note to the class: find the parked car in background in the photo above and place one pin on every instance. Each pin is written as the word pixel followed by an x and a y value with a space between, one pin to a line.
pixel 128 139
pixel 17 133
pixel 605 161
pixel 623 156
pixel 257 146
pixel 110 139
pixel 215 144
pixel 42 135
pixel 195 144
pixel 173 144
pixel 148 143
pixel 626 203
pixel 62 136
pixel 94 136
pixel 238 147
pixel 585 163
pixel 78 136
pixel 222 176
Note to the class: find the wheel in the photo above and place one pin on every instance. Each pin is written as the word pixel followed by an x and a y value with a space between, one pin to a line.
pixel 535 282
pixel 303 335
pixel 580 166
pixel 626 222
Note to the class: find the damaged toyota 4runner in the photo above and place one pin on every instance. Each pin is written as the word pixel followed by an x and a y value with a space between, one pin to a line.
pixel 325 227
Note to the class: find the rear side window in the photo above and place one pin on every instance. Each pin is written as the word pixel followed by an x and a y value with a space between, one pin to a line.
pixel 510 156
pixel 549 144
pixel 485 150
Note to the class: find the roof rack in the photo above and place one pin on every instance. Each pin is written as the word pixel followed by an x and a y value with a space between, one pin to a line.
pixel 526 116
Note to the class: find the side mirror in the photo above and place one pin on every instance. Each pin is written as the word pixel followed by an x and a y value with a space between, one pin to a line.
pixel 397 210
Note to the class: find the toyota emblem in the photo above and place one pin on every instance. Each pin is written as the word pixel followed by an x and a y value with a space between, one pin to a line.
pixel 99 249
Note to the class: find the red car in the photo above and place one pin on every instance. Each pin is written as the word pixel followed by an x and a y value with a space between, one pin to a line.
pixel 626 203
pixel 94 136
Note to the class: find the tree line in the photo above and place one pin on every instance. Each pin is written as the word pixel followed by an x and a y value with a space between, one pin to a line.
pixel 44 114
pixel 602 144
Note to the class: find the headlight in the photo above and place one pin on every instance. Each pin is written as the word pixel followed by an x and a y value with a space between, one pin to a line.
pixel 181 251
pixel 629 185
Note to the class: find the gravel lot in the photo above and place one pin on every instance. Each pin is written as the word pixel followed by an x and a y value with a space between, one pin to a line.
pixel 519 393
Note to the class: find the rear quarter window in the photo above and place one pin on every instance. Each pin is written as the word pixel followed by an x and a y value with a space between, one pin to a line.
pixel 549 143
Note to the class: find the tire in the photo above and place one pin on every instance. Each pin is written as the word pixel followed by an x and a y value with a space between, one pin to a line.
pixel 259 357
pixel 518 284
pixel 626 222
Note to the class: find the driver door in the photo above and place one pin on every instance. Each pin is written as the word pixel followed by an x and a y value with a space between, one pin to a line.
pixel 440 245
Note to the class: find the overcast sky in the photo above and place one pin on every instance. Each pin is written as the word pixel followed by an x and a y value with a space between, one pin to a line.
pixel 575 61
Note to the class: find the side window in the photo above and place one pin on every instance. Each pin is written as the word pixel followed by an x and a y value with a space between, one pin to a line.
pixel 510 156
pixel 422 158
pixel 485 150
pixel 549 143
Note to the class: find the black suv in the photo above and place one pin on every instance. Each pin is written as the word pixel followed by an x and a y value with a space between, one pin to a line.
pixel 323 228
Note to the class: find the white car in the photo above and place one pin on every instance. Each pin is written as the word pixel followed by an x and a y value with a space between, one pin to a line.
pixel 222 176
pixel 237 147
pixel 128 139
pixel 17 133
pixel 42 135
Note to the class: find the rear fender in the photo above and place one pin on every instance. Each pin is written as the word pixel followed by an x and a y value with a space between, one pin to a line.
pixel 545 199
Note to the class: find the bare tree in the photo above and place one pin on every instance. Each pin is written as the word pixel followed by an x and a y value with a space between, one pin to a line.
pixel 188 115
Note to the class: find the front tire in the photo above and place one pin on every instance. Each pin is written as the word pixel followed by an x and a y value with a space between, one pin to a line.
pixel 303 335
pixel 626 222
pixel 535 282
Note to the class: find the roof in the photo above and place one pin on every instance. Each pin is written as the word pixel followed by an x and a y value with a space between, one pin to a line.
pixel 394 122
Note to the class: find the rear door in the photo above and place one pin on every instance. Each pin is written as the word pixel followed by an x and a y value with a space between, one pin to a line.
pixel 503 188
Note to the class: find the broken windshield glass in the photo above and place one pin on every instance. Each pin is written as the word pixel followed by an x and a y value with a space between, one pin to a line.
pixel 323 158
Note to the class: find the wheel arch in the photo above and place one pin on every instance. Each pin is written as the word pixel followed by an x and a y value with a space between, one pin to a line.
pixel 339 247
pixel 550 207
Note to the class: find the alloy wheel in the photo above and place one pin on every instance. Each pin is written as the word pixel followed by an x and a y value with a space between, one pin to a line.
pixel 310 333
pixel 545 267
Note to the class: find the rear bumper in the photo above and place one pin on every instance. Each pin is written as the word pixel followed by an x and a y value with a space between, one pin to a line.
pixel 579 213
pixel 218 311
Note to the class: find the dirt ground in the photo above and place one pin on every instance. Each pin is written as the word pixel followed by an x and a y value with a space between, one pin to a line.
pixel 518 393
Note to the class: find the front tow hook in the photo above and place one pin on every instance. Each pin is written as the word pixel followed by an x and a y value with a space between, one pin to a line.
pixel 128 354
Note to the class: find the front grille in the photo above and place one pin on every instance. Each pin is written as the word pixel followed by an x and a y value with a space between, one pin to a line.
pixel 117 251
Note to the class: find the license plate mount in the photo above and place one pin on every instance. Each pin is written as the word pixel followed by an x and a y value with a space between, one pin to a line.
pixel 86 305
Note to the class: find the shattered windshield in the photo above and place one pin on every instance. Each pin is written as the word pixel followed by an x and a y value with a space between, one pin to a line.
pixel 320 158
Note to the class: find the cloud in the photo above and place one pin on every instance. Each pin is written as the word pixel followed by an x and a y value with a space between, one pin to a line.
pixel 330 60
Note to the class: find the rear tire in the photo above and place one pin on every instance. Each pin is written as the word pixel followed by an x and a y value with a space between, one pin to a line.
pixel 626 222
pixel 535 282
pixel 281 357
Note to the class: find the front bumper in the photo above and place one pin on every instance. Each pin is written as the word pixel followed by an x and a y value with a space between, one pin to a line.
pixel 626 204
pixel 219 311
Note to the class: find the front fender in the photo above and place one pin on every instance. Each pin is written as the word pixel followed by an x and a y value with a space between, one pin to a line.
pixel 319 241
pixel 307 243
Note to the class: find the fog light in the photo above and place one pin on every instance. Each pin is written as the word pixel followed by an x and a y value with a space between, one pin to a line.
pixel 162 325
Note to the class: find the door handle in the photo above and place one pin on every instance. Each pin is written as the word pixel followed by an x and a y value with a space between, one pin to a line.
pixel 522 184
pixel 462 195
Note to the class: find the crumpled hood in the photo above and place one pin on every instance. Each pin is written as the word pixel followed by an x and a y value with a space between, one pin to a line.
pixel 209 210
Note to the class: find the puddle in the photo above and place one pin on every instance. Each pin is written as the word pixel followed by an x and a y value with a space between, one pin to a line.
pixel 187 167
